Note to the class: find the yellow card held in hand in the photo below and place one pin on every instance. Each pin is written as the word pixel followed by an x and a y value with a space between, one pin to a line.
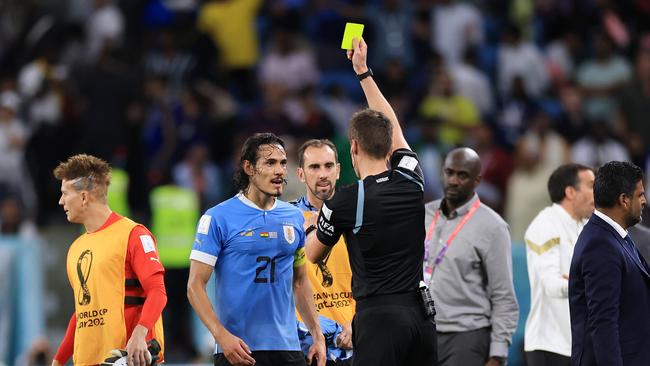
pixel 352 30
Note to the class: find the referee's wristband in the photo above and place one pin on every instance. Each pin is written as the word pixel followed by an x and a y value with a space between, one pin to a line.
pixel 365 74
pixel 309 229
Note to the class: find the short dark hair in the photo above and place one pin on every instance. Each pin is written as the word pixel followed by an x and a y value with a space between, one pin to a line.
pixel 317 143
pixel 613 179
pixel 374 132
pixel 250 152
pixel 91 173
pixel 565 175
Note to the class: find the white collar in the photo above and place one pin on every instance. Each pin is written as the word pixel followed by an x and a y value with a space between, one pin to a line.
pixel 619 229
pixel 252 204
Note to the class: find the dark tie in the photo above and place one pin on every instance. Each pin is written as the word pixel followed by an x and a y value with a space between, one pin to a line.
pixel 632 248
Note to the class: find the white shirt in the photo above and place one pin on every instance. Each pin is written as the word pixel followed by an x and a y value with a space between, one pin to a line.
pixel 619 229
pixel 456 26
pixel 550 240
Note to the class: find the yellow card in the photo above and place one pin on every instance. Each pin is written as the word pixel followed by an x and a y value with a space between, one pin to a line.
pixel 352 30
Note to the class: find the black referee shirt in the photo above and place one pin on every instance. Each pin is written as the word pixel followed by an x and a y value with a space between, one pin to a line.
pixel 382 219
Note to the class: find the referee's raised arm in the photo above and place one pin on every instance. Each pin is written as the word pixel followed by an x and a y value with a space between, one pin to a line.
pixel 374 97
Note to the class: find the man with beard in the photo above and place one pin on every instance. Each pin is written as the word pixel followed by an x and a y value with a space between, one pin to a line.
pixel 468 264
pixel 609 281
pixel 330 278
pixel 254 243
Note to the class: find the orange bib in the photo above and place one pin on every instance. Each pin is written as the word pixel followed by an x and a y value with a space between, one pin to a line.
pixel 331 283
pixel 95 267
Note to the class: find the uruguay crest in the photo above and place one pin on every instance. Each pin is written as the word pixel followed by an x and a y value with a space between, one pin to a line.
pixel 289 234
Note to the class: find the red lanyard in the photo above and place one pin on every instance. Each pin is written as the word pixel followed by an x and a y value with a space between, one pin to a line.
pixel 453 235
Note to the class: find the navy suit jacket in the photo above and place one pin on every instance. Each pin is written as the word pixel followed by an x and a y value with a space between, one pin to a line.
pixel 609 300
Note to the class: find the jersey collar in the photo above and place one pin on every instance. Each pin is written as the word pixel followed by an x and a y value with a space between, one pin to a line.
pixel 252 204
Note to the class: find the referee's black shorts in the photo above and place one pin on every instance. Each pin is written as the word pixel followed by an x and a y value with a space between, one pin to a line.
pixel 392 330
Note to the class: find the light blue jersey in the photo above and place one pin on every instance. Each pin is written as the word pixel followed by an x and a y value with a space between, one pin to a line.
pixel 252 251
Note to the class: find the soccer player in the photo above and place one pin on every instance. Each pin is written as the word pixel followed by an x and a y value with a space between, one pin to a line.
pixel 114 271
pixel 331 278
pixel 254 243
pixel 381 219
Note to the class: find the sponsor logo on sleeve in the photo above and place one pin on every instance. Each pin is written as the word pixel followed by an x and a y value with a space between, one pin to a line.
pixel 147 243
pixel 408 162
pixel 204 224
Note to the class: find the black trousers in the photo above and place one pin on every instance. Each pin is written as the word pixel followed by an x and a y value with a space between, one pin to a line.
pixel 392 330
pixel 470 348
pixel 268 358
pixel 544 358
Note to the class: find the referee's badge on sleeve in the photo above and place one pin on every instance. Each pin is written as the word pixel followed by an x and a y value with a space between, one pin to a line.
pixel 289 234
pixel 204 224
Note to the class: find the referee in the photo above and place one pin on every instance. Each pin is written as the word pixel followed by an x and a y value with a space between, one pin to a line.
pixel 381 220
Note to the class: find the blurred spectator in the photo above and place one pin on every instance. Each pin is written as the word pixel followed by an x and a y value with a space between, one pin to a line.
pixel 520 59
pixel 166 59
pixel 197 173
pixel 271 115
pixel 456 113
pixel 14 222
pixel 496 167
pixel 105 25
pixel 538 152
pixel 561 56
pixel 106 88
pixel 598 147
pixel 174 213
pixel 431 153
pixel 192 123
pixel 289 63
pixel 231 24
pixel 516 110
pixel 573 121
pixel 391 32
pixel 338 107
pixel 472 83
pixel 457 25
pixel 601 76
pixel 634 100
pixel 307 116
pixel 14 178
pixel 159 133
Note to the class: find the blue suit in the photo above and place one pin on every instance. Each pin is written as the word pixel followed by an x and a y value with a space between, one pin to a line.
pixel 609 300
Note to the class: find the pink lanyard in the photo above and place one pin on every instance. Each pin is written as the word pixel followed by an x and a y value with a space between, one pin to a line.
pixel 453 235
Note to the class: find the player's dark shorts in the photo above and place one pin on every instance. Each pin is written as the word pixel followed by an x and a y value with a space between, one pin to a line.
pixel 392 330
pixel 268 358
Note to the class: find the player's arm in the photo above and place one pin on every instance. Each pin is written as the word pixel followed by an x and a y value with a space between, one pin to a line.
pixel 304 299
pixel 234 348
pixel 374 97
pixel 143 260
pixel 66 347
pixel 315 250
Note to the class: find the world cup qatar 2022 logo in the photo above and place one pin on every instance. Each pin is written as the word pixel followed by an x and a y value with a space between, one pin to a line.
pixel 84 263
